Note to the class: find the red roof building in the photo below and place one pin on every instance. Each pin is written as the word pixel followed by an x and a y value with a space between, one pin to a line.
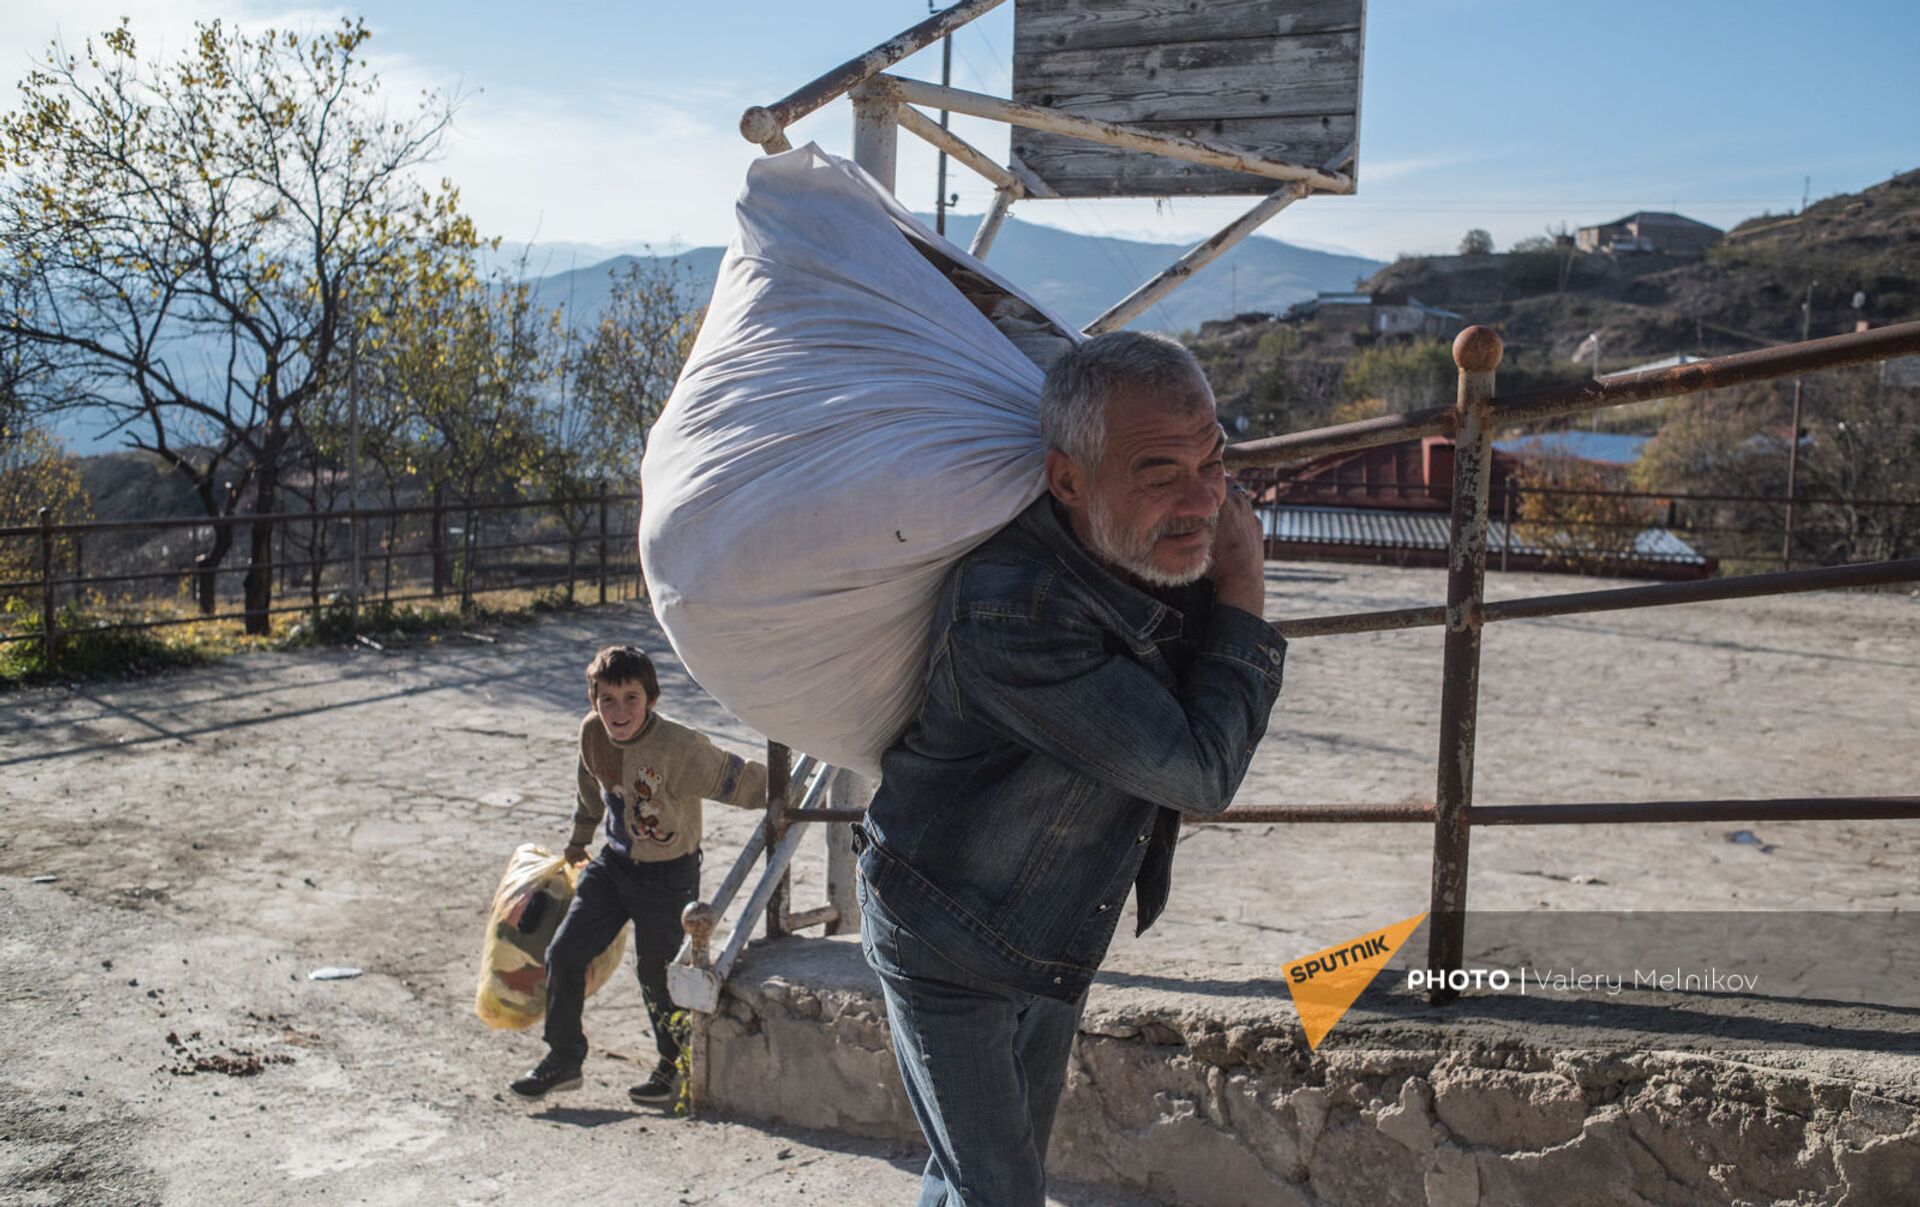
pixel 1392 505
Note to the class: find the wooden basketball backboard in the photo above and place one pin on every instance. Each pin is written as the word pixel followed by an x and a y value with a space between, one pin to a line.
pixel 1278 78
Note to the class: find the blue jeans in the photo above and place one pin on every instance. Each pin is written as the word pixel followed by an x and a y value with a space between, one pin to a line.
pixel 983 1066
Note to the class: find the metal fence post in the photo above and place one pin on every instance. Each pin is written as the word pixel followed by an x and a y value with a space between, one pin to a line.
pixel 1477 352
pixel 470 541
pixel 603 540
pixel 48 636
pixel 778 767
pixel 437 542
pixel 1793 436
pixel 573 560
pixel 353 557
pixel 354 527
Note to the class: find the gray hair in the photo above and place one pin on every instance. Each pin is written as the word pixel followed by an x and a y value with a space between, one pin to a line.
pixel 1073 402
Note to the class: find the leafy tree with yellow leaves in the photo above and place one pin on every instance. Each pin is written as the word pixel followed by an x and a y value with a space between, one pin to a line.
pixel 34 473
pixel 1574 509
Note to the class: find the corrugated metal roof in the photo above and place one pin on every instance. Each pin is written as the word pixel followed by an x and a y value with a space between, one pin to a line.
pixel 1385 528
pixel 1665 362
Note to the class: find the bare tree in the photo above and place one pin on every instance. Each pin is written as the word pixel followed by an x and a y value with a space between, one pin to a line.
pixel 187 237
pixel 1857 496
pixel 1861 463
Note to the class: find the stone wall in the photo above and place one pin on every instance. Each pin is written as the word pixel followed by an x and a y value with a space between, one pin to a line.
pixel 1194 1085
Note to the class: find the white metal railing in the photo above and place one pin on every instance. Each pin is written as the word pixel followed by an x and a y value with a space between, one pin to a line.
pixel 695 977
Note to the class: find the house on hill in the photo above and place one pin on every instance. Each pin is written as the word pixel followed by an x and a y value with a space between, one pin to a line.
pixel 1651 231
pixel 1392 506
pixel 1390 314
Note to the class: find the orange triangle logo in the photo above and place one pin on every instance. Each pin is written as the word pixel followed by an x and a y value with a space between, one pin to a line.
pixel 1326 983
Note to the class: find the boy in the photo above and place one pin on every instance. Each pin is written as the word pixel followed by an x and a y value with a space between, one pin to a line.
pixel 647 776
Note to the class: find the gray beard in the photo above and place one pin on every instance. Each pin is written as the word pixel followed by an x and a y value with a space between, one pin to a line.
pixel 1135 555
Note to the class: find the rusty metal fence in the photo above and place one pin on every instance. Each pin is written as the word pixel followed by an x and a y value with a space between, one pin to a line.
pixel 1472 421
pixel 353 558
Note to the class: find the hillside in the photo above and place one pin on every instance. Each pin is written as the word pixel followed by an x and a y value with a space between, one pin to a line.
pixel 1747 291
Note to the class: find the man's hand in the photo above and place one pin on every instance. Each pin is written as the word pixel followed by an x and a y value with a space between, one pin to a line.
pixel 1239 557
pixel 576 853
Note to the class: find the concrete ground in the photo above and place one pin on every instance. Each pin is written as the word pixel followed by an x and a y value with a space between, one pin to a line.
pixel 214 835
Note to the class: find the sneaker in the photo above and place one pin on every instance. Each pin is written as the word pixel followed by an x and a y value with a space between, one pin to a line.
pixel 662 1087
pixel 552 1073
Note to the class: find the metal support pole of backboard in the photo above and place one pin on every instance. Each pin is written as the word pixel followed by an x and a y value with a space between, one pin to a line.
pixel 1020 180
pixel 1170 278
pixel 876 132
pixel 990 223
pixel 766 124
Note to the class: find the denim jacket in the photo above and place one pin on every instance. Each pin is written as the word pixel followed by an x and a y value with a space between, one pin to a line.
pixel 1069 720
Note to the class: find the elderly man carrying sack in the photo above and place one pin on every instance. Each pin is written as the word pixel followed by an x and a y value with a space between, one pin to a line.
pixel 1097 669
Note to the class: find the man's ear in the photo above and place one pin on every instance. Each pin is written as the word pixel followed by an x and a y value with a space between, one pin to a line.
pixel 1066 479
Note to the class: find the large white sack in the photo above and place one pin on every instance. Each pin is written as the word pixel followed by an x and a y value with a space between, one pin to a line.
pixel 847 426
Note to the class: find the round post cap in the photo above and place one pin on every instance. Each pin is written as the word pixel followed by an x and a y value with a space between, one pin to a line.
pixel 698 919
pixel 1478 350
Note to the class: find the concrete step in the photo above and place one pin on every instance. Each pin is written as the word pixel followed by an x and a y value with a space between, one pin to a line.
pixel 1194 1084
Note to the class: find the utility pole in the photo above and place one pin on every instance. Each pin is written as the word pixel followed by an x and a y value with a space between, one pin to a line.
pixel 1793 434
pixel 1593 416
pixel 940 184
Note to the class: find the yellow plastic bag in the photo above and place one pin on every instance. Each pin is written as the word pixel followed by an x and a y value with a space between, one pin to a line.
pixel 527 907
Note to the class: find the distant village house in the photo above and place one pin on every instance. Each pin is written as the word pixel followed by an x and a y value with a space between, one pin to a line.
pixel 1650 231
pixel 1385 315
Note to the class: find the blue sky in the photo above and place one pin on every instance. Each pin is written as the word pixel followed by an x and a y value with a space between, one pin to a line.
pixel 613 124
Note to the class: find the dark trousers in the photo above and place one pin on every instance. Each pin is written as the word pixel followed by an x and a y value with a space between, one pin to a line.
pixel 612 890
pixel 983 1066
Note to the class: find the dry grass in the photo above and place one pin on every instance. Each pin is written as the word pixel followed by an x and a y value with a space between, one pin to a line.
pixel 101 637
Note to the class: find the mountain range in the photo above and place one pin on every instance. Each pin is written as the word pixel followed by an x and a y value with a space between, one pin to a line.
pixel 1079 276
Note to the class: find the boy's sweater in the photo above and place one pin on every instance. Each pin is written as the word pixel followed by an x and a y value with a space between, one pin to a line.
pixel 649 789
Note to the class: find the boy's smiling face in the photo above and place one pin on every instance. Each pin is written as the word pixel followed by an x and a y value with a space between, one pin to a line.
pixel 622 708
